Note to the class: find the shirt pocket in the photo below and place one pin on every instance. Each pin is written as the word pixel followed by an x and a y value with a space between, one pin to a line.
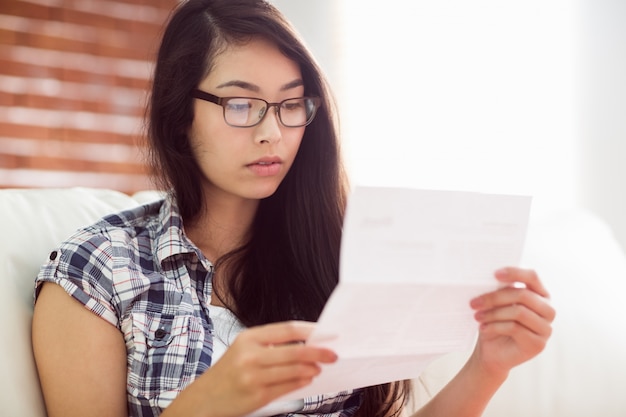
pixel 163 352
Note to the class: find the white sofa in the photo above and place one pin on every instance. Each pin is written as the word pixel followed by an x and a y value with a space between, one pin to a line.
pixel 581 373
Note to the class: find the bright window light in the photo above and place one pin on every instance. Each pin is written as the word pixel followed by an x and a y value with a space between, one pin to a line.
pixel 462 95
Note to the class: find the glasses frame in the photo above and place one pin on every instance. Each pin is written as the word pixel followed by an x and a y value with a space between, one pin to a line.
pixel 221 101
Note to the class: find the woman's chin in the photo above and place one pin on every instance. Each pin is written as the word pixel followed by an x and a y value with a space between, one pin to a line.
pixel 266 193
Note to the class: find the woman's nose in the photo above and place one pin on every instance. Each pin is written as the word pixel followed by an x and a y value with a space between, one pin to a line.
pixel 269 128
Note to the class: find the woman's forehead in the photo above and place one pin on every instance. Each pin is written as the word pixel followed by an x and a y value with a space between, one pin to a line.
pixel 258 62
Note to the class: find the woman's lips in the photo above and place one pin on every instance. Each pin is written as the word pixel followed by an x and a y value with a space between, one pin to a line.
pixel 266 168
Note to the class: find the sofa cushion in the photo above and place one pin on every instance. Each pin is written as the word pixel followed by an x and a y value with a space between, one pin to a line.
pixel 34 222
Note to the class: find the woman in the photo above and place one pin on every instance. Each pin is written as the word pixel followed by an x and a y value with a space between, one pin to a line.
pixel 191 305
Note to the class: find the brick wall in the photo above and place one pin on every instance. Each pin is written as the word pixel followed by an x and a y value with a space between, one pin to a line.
pixel 73 81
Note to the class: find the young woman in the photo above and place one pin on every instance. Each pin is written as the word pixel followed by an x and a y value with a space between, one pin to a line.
pixel 190 306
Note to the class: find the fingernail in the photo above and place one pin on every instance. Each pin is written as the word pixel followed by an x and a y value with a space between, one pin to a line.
pixel 502 272
pixel 476 302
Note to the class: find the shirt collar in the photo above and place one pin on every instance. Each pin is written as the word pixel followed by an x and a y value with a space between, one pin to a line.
pixel 171 239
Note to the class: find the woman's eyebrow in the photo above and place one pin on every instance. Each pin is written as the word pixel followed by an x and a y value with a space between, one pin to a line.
pixel 241 84
pixel 295 83
pixel 255 88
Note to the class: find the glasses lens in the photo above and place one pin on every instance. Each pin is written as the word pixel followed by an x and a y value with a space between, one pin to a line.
pixel 243 111
pixel 297 112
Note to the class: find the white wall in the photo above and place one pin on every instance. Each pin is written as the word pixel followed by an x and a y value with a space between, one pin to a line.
pixel 603 111
pixel 513 97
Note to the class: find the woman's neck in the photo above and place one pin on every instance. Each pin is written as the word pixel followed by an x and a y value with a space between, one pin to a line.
pixel 223 226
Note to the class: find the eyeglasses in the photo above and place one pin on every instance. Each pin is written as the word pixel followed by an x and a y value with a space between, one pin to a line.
pixel 248 112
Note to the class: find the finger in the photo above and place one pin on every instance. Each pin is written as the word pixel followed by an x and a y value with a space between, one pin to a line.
pixel 246 351
pixel 279 333
pixel 528 277
pixel 277 390
pixel 519 314
pixel 526 339
pixel 279 374
pixel 297 353
pixel 285 338
pixel 510 296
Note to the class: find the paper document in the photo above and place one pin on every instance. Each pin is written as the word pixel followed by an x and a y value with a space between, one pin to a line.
pixel 410 262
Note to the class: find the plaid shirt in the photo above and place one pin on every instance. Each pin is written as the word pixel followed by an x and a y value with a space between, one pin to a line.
pixel 138 271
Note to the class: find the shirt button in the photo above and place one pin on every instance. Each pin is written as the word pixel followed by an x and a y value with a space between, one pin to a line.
pixel 53 255
pixel 160 334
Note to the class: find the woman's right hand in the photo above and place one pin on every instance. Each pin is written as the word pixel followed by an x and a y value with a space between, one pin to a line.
pixel 262 364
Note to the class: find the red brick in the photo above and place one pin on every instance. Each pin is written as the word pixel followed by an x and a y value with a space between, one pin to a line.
pixel 8 67
pixel 105 36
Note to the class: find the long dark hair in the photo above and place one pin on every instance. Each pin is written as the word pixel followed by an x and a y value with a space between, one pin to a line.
pixel 290 264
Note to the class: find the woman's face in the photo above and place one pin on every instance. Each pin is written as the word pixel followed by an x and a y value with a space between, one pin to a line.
pixel 246 163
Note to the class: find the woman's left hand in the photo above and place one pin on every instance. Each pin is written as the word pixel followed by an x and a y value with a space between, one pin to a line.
pixel 515 321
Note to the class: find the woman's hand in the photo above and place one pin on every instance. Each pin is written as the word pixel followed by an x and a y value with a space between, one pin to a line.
pixel 515 321
pixel 262 364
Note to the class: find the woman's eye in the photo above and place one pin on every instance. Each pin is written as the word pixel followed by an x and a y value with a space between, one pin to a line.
pixel 238 106
pixel 293 105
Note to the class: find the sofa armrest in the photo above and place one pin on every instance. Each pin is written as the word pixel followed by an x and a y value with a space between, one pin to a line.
pixel 35 221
